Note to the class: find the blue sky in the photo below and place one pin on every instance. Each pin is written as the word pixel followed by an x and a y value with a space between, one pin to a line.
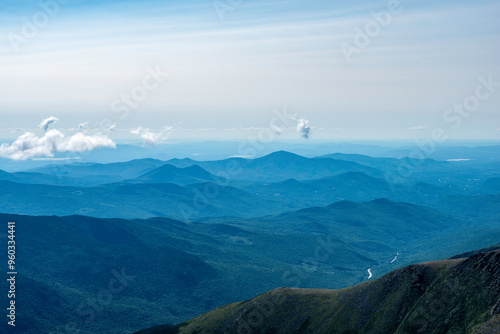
pixel 226 74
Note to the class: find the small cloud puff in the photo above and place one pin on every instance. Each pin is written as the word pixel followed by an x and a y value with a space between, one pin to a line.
pixel 83 126
pixel 277 130
pixel 151 138
pixel 47 122
pixel 303 128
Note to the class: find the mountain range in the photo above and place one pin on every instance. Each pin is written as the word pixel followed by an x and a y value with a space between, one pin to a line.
pixel 192 267
pixel 187 189
pixel 152 241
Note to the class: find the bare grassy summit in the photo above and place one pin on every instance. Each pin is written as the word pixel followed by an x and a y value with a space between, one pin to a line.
pixel 457 295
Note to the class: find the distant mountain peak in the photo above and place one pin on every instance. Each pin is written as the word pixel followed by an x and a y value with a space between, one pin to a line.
pixel 282 155
pixel 181 175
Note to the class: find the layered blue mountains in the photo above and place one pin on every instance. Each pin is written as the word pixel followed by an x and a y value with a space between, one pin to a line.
pixel 332 243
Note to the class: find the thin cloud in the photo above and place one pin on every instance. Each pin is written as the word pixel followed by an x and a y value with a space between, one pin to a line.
pixel 277 130
pixel 15 130
pixel 417 128
pixel 254 128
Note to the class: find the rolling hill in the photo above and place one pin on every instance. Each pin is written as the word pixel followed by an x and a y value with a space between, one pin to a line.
pixel 40 178
pixel 90 174
pixel 468 175
pixel 387 163
pixel 493 184
pixel 181 176
pixel 353 186
pixel 141 200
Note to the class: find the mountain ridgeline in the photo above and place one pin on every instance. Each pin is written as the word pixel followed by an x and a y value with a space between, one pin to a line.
pixel 187 189
pixel 459 295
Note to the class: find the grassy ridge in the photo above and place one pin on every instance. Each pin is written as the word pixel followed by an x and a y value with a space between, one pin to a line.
pixel 450 296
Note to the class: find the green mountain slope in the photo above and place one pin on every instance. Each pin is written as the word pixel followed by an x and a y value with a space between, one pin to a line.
pixel 141 200
pixel 450 296
pixel 185 269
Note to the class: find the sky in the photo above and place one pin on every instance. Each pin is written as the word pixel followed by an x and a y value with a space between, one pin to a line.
pixel 162 70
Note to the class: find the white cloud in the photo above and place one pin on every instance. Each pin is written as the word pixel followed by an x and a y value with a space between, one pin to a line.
pixel 253 128
pixel 303 128
pixel 29 145
pixel 47 122
pixel 83 126
pixel 497 129
pixel 417 128
pixel 277 130
pixel 149 137
pixel 11 130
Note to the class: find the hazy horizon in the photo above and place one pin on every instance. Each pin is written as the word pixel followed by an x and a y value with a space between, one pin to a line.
pixel 352 70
